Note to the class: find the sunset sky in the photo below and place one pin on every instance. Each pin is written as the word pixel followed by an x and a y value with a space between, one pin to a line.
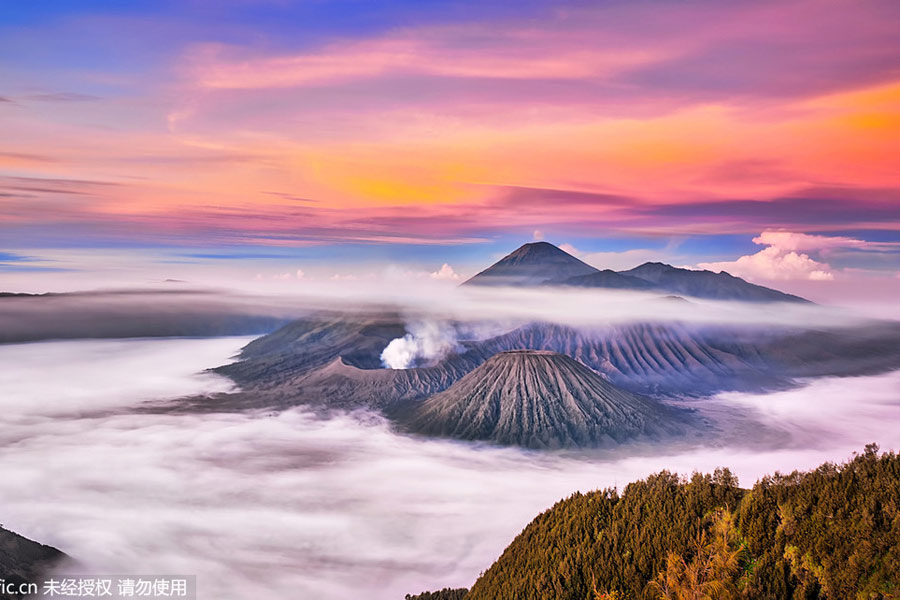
pixel 317 137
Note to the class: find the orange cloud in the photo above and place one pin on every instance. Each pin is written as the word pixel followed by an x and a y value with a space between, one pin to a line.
pixel 687 107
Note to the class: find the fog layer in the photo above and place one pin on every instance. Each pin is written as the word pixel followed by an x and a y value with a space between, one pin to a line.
pixel 171 313
pixel 289 506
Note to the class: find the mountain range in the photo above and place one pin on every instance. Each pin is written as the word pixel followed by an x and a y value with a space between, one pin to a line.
pixel 330 361
pixel 542 263
pixel 543 384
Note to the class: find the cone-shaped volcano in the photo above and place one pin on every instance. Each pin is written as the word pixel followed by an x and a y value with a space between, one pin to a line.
pixel 532 264
pixel 542 399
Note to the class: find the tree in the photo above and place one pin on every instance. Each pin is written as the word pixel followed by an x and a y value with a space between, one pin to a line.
pixel 713 571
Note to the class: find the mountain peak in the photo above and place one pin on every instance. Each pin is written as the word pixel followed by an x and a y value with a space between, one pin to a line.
pixel 653 267
pixel 532 264
pixel 536 248
pixel 542 263
pixel 539 252
pixel 542 399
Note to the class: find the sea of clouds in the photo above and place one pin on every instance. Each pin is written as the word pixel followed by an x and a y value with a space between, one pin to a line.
pixel 288 506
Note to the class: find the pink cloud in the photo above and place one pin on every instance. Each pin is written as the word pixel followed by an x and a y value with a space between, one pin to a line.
pixel 600 118
pixel 774 263
pixel 803 242
pixel 446 273
pixel 786 256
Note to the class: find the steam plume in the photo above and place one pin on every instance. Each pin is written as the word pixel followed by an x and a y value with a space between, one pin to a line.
pixel 426 343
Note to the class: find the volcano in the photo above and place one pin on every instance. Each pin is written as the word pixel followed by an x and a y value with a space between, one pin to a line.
pixel 541 399
pixel 543 264
pixel 532 264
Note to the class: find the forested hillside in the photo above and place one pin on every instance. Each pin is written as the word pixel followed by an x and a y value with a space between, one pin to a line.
pixel 830 533
pixel 444 594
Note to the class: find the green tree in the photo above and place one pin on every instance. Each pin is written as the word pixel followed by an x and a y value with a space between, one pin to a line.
pixel 714 570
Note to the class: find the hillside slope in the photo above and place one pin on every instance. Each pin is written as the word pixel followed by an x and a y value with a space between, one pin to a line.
pixel 25 561
pixel 832 533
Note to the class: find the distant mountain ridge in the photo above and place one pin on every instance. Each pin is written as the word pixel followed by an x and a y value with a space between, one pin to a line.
pixel 606 278
pixel 542 263
pixel 706 284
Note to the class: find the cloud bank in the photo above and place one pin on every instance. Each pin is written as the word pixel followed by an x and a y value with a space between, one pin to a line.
pixel 286 506
pixel 774 264
pixel 787 256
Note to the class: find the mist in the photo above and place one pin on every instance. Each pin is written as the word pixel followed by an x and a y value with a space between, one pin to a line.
pixel 288 505
pixel 834 413
pixel 192 311
pixel 135 313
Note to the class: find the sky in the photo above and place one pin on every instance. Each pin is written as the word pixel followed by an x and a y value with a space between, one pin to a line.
pixel 295 140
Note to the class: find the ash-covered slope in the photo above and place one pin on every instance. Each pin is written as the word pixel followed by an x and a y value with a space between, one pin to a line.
pixel 541 399
pixel 667 359
pixel 331 361
pixel 532 264
pixel 339 385
pixel 305 345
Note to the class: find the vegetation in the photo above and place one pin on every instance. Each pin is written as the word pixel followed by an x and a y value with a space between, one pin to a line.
pixel 444 594
pixel 713 569
pixel 604 541
pixel 832 533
